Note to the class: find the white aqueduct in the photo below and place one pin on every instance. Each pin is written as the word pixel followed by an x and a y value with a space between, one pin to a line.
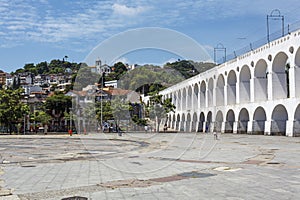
pixel 255 93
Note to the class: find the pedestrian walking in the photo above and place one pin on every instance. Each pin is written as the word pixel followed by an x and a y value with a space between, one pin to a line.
pixel 119 131
pixel 45 129
pixel 215 136
pixel 165 127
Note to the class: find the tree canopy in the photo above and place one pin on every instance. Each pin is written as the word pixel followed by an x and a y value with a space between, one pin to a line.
pixel 58 103
pixel 12 110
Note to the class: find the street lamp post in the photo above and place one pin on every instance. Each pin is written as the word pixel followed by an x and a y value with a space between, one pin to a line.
pixel 24 129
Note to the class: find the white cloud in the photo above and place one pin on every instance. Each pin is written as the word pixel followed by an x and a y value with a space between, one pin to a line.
pixel 127 11
pixel 82 22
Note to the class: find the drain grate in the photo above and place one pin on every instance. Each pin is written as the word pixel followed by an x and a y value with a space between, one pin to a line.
pixel 75 198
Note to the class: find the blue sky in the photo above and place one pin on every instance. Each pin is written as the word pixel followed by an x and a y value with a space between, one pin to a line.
pixel 32 31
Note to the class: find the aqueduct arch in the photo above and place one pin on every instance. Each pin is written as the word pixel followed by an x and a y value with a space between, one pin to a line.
pixel 230 119
pixel 202 95
pixel 297 72
pixel 280 76
pixel 279 118
pixel 184 99
pixel 218 121
pixel 178 122
pixel 231 88
pixel 245 76
pixel 201 122
pixel 220 91
pixel 195 97
pixel 188 122
pixel 260 81
pixel 296 127
pixel 182 124
pixel 210 92
pixel 189 98
pixel 208 122
pixel 194 122
pixel 259 119
pixel 243 121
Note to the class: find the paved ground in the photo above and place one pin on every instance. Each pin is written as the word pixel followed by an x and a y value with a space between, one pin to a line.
pixel 150 166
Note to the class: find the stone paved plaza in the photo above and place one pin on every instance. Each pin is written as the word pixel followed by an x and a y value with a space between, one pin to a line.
pixel 150 166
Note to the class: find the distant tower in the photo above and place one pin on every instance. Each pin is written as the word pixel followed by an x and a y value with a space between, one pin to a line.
pixel 98 66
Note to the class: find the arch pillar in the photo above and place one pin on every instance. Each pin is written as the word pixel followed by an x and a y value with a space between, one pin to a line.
pixel 252 88
pixel 270 85
pixel 184 126
pixel 196 126
pixel 180 100
pixel 292 81
pixel 237 97
pixel 190 128
pixel 289 128
pixel 177 127
pixel 235 127
pixel 225 93
pixel 249 127
pixel 206 98
pixel 211 127
pixel 268 127
pixel 214 91
pixel 204 127
pixel 198 99
pixel 181 126
pixel 223 127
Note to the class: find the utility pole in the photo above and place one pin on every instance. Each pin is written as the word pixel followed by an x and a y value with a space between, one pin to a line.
pixel 24 129
pixel 219 47
pixel 101 103
pixel 273 16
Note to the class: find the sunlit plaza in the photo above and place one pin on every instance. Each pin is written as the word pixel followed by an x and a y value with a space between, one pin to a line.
pixel 150 166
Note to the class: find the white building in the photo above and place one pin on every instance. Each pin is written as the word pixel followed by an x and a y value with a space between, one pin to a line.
pixel 113 84
pixel 100 69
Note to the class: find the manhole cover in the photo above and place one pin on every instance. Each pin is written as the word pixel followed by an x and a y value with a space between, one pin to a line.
pixel 28 166
pixel 75 198
pixel 273 163
pixel 137 163
pixel 133 156
pixel 196 175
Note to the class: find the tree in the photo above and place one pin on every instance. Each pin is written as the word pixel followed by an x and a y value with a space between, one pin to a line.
pixel 43 117
pixel 89 115
pixel 120 110
pixel 84 78
pixel 149 75
pixel 103 111
pixel 42 68
pixel 12 110
pixel 158 109
pixel 115 110
pixel 30 68
pixel 56 105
